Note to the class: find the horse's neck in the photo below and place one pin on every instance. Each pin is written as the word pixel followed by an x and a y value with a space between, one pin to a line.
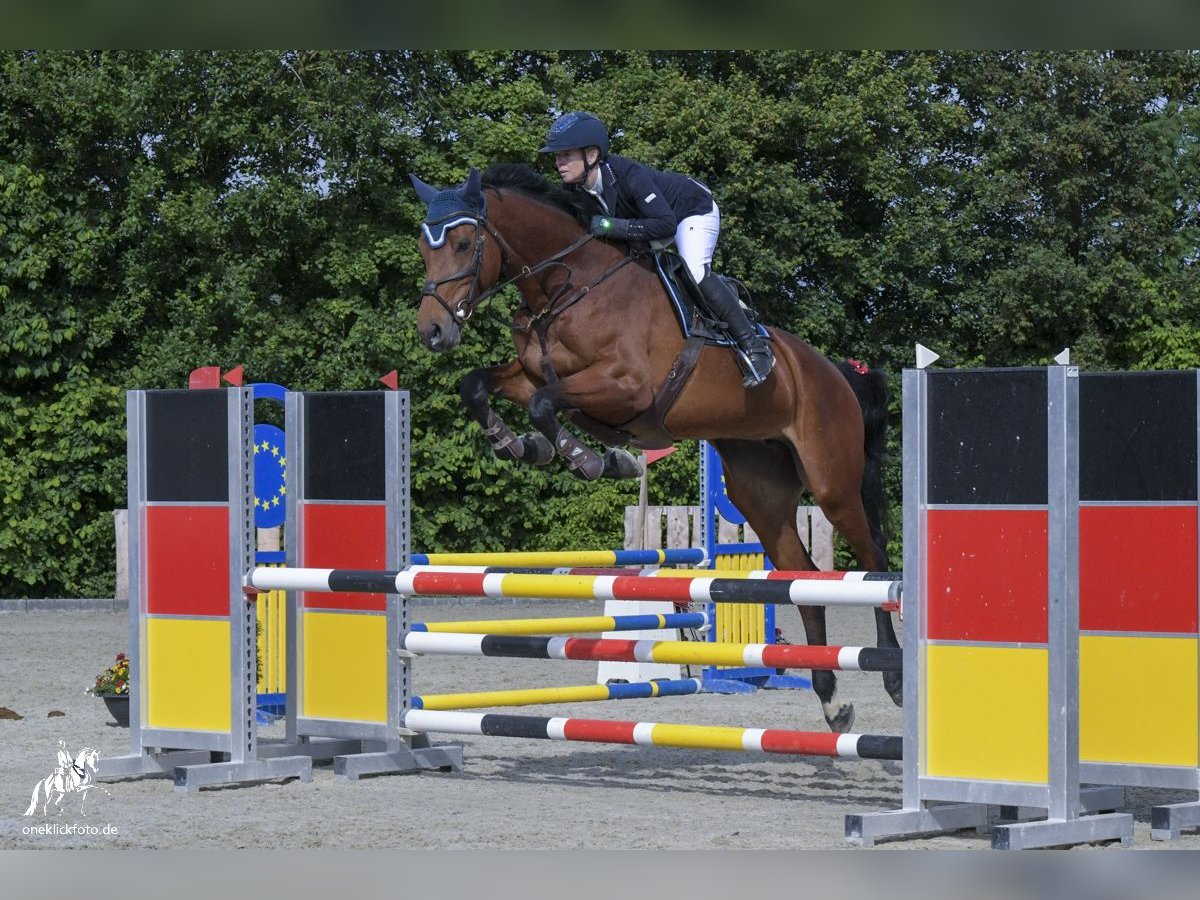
pixel 534 233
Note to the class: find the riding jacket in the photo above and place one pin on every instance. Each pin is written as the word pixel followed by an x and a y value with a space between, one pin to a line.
pixel 651 201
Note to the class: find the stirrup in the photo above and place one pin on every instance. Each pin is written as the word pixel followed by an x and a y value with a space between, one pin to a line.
pixel 756 365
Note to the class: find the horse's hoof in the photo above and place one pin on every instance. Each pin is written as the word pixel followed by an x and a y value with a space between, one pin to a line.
pixel 842 718
pixel 621 464
pixel 893 683
pixel 537 448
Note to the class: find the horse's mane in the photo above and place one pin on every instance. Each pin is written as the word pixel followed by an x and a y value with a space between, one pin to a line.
pixel 525 180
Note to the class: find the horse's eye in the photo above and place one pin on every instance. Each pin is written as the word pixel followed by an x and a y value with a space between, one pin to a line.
pixel 464 245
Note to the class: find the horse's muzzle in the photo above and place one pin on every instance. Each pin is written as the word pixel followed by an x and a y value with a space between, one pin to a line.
pixel 439 339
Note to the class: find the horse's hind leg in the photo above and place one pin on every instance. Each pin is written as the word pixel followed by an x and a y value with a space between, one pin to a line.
pixel 762 482
pixel 510 382
pixel 840 499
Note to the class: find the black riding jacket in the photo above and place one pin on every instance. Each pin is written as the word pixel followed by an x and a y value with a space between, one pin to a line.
pixel 656 199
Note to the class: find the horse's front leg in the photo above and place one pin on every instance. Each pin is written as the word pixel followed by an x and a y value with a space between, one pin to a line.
pixel 510 382
pixel 544 408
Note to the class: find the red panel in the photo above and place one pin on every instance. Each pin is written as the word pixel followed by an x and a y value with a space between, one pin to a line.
pixel 1137 568
pixel 187 560
pixel 599 730
pixel 600 649
pixel 462 584
pixel 986 572
pixel 631 587
pixel 788 656
pixel 344 536
pixel 802 742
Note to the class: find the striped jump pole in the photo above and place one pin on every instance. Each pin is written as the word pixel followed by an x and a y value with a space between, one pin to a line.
pixel 776 656
pixel 641 690
pixel 653 734
pixel 576 625
pixel 813 589
pixel 695 556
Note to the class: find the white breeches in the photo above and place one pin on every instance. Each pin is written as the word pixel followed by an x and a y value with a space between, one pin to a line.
pixel 696 239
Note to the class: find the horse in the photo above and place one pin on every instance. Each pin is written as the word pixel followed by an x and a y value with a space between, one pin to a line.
pixel 598 343
pixel 80 777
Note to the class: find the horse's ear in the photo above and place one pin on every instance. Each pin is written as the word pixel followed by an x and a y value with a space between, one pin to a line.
pixel 424 191
pixel 472 189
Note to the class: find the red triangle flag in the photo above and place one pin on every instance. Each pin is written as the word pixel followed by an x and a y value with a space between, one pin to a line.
pixel 653 456
pixel 391 379
pixel 205 377
pixel 235 375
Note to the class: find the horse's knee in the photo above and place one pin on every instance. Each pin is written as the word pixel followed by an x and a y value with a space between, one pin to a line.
pixel 473 389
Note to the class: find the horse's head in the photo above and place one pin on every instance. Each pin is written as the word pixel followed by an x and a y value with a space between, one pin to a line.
pixel 460 264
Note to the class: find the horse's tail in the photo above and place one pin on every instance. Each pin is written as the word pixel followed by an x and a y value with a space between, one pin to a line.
pixel 870 387
pixel 37 789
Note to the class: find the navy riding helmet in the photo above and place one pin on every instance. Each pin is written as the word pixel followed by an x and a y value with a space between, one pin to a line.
pixel 574 131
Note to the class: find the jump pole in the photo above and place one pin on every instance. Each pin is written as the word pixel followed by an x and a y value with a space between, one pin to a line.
pixel 774 656
pixel 799 591
pixel 651 734
pixel 642 690
pixel 569 625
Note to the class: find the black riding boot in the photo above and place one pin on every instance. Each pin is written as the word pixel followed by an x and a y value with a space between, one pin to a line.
pixel 724 304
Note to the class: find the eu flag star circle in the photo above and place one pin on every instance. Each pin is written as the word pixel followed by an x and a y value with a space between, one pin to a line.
pixel 270 476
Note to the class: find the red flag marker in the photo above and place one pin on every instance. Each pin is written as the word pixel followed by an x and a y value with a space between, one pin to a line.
pixel 653 456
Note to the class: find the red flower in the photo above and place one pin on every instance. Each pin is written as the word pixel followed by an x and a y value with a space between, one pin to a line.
pixel 858 366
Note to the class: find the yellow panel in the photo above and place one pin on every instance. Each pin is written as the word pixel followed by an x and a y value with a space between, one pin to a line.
pixel 188 682
pixel 740 623
pixel 987 713
pixel 1137 700
pixel 345 667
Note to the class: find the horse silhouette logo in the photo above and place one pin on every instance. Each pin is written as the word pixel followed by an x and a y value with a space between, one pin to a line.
pixel 72 776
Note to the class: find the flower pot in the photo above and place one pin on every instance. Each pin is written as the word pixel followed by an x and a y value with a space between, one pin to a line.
pixel 118 707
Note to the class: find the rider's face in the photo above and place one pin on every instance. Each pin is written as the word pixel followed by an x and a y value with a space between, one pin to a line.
pixel 570 165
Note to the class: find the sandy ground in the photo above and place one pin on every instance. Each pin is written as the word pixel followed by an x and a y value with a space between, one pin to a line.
pixel 512 794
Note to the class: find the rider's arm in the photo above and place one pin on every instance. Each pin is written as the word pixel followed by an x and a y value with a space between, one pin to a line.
pixel 655 220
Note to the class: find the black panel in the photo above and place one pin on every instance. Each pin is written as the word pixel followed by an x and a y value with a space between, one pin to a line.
pixel 343 446
pixel 515 646
pixel 187 446
pixel 987 437
pixel 360 581
pixel 499 725
pixel 1137 436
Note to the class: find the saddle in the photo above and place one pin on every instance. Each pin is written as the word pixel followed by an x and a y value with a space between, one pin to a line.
pixel 688 304
pixel 699 329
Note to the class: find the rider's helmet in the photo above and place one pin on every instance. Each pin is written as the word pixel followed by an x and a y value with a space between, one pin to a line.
pixel 574 131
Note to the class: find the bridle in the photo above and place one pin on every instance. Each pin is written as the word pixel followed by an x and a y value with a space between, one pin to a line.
pixel 462 310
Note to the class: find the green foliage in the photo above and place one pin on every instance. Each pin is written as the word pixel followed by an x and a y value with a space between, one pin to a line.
pixel 161 211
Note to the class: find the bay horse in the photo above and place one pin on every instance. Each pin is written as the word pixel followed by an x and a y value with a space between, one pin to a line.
pixel 598 343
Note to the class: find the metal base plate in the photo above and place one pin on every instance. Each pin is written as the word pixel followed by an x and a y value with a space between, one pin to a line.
pixel 192 778
pixel 867 828
pixel 1167 821
pixel 444 757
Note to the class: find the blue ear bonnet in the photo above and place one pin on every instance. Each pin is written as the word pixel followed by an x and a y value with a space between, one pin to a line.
pixel 449 208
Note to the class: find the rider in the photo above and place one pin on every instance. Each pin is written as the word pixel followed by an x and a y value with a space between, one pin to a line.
pixel 65 763
pixel 644 204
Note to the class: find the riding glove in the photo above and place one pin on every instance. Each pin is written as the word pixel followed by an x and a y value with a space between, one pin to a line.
pixel 621 229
